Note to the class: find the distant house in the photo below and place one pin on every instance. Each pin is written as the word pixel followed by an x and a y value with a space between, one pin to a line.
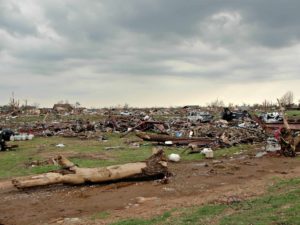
pixel 191 107
pixel 31 110
pixel 79 110
pixel 8 109
pixel 293 107
pixel 63 108
pixel 46 110
pixel 5 109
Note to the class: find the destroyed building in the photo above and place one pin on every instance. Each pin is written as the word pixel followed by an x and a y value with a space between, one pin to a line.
pixel 63 108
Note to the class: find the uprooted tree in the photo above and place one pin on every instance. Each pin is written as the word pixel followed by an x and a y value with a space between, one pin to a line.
pixel 289 141
pixel 72 174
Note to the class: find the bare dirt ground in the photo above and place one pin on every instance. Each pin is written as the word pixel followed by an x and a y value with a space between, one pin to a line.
pixel 193 183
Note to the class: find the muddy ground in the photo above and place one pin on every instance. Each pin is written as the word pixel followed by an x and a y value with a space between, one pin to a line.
pixel 193 183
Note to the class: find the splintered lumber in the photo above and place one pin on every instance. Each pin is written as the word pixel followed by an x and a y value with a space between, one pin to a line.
pixel 175 140
pixel 72 174
pixel 144 125
pixel 288 140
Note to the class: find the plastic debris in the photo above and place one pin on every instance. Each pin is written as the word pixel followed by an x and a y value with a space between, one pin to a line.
pixel 174 157
pixel 60 145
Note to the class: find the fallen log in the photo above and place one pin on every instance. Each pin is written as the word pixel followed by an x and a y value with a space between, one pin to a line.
pixel 175 140
pixel 72 174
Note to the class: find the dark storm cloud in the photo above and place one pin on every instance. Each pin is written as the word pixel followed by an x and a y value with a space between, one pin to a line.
pixel 102 41
pixel 275 23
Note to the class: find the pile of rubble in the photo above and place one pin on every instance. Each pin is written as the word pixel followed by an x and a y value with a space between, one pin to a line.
pixel 239 129
pixel 215 138
pixel 67 129
pixel 172 126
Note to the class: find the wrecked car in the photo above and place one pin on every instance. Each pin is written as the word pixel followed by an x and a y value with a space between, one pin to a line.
pixel 238 115
pixel 125 113
pixel 202 117
pixel 273 117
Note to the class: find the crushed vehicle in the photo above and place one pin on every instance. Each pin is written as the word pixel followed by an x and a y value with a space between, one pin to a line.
pixel 228 115
pixel 203 117
pixel 273 117
pixel 125 113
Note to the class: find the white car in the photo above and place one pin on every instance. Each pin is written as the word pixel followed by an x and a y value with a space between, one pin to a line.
pixel 199 117
pixel 126 113
pixel 273 117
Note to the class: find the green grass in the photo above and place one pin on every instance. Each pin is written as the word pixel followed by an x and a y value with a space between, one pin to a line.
pixel 198 215
pixel 184 216
pixel 228 152
pixel 280 206
pixel 13 163
pixel 156 220
pixel 53 117
pixel 293 113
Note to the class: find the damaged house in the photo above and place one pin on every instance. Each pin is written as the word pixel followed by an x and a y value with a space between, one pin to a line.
pixel 63 108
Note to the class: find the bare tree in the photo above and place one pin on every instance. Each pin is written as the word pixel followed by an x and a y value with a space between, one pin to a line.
pixel 231 105
pixel 267 105
pixel 216 104
pixel 126 106
pixel 77 104
pixel 13 103
pixel 36 105
pixel 287 99
pixel 25 102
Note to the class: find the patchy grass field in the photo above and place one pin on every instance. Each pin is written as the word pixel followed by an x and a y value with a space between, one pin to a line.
pixel 108 203
pixel 87 153
pixel 280 206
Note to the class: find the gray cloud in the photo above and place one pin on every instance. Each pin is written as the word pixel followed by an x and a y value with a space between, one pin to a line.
pixel 11 20
pixel 96 47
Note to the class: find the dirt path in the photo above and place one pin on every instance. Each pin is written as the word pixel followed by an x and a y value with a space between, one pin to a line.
pixel 193 183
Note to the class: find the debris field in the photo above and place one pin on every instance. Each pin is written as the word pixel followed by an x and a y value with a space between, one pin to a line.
pixel 70 194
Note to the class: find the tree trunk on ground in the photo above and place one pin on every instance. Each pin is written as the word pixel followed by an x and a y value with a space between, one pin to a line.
pixel 175 140
pixel 72 174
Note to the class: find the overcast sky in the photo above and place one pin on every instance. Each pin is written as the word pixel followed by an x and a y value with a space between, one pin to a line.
pixel 149 52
